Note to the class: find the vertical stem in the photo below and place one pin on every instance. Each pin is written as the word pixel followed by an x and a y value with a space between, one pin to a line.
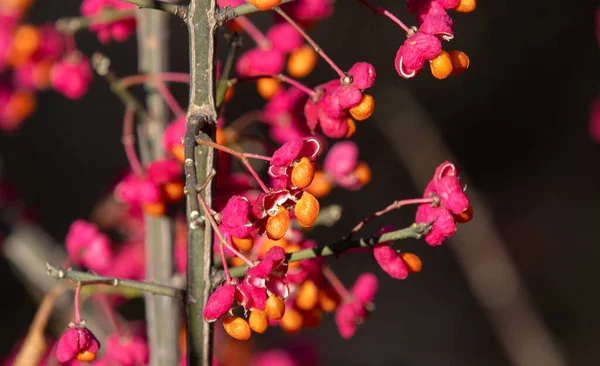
pixel 201 118
pixel 162 313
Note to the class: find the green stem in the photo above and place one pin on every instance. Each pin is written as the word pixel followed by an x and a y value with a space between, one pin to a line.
pixel 79 276
pixel 343 245
pixel 74 24
pixel 223 83
pixel 227 13
pixel 177 10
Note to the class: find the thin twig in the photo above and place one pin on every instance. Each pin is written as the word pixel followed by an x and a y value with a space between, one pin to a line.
pixel 222 84
pixel 227 13
pixel 180 11
pixel 79 276
pixel 74 24
pixel 414 231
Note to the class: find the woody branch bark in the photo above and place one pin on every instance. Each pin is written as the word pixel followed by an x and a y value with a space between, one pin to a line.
pixel 161 312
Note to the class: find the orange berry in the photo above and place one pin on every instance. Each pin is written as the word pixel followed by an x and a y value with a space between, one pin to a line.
pixel 258 320
pixel 292 321
pixel 302 61
pixel 155 209
pixel 441 65
pixel 173 191
pixel 311 318
pixel 466 6
pixel 21 105
pixel 14 6
pixel 328 300
pixel 178 153
pixel 307 210
pixel 465 216
pixel 364 109
pixel 321 185
pixel 274 307
pixel 308 296
pixel 228 94
pixel 237 328
pixel 237 261
pixel 86 356
pixel 264 4
pixel 460 62
pixel 244 244
pixel 351 127
pixel 26 40
pixel 362 172
pixel 303 173
pixel 182 340
pixel 278 225
pixel 413 262
pixel 267 87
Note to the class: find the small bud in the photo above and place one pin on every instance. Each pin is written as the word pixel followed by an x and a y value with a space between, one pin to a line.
pixel 264 4
pixel 278 225
pixel 362 172
pixel 302 62
pixel 258 320
pixel 307 210
pixel 292 321
pixel 275 308
pixel 245 244
pixel 267 87
pixel 321 185
pixel 441 66
pixel 460 62
pixel 308 296
pixel 364 109
pixel 464 216
pixel 351 127
pixel 466 6
pixel 303 173
pixel 173 191
pixel 237 328
pixel 412 261
pixel 155 209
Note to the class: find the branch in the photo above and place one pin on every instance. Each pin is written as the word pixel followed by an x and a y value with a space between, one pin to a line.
pixel 180 11
pixel 74 24
pixel 343 245
pixel 80 276
pixel 227 13
pixel 223 84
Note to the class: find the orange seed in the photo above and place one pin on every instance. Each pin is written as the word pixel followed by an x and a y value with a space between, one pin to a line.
pixel 275 308
pixel 267 87
pixel 308 296
pixel 173 191
pixel 351 127
pixel 264 4
pixel 86 356
pixel 302 61
pixel 303 173
pixel 460 62
pixel 155 209
pixel 465 216
pixel 328 300
pixel 413 262
pixel 258 320
pixel 364 109
pixel 466 6
pixel 307 210
pixel 320 186
pixel 362 172
pixel 178 153
pixel 244 244
pixel 278 225
pixel 441 65
pixel 237 328
pixel 292 321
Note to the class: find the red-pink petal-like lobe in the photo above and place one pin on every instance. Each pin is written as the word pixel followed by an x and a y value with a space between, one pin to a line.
pixel 365 287
pixel 274 259
pixel 287 153
pixel 346 320
pixel 452 195
pixel 164 171
pixel 72 76
pixel 363 75
pixel 260 62
pixel 117 30
pixel 341 158
pixel 224 3
pixel 74 341
pixel 443 223
pixel 311 113
pixel 309 10
pixel 127 348
pixel 348 96
pixel 88 247
pixel 251 296
pixel 390 262
pixel 219 302
pixel 334 127
pixel 595 115
pixel 418 49
pixel 284 37
pixel 235 217
pixel 52 44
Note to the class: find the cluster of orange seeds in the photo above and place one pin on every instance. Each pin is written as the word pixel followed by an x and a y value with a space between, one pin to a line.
pixel 240 328
pixel 449 63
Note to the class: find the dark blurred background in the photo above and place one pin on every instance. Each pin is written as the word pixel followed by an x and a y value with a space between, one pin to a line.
pixel 516 121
